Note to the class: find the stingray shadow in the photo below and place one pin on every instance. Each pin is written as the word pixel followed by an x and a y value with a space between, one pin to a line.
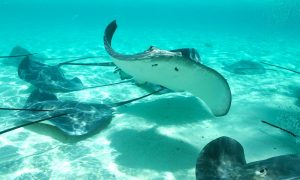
pixel 150 150
pixel 170 110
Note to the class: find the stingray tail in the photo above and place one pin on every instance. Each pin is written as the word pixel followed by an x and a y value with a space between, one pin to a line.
pixel 22 109
pixel 109 32
pixel 280 67
pixel 108 35
pixel 110 64
pixel 104 85
pixel 69 62
pixel 138 98
pixel 29 123
pixel 23 55
pixel 121 82
pixel 285 130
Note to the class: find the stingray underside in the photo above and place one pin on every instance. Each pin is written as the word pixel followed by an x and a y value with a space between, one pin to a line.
pixel 178 70
pixel 80 118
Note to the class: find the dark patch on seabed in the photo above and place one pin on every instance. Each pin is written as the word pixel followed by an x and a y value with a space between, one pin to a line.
pixel 150 150
pixel 176 110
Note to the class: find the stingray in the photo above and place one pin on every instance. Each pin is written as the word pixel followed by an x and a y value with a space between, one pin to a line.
pixel 223 158
pixel 50 78
pixel 245 67
pixel 46 77
pixel 177 70
pixel 78 118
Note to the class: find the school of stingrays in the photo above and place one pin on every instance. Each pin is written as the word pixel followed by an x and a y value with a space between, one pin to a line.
pixel 161 71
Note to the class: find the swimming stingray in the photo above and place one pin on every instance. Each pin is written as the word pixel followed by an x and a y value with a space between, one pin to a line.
pixel 79 119
pixel 50 78
pixel 46 77
pixel 223 158
pixel 178 70
pixel 245 67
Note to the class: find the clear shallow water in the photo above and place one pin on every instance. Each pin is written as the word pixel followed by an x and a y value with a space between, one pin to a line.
pixel 161 136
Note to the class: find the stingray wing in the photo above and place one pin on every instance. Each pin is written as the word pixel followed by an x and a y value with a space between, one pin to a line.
pixel 219 159
pixel 178 70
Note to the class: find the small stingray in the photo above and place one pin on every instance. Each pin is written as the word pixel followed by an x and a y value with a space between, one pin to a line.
pixel 177 70
pixel 245 67
pixel 224 158
pixel 79 118
pixel 50 78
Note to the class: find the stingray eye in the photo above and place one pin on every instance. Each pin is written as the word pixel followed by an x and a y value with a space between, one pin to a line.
pixel 262 172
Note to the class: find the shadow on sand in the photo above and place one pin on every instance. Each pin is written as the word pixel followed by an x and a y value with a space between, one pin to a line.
pixel 150 150
pixel 169 110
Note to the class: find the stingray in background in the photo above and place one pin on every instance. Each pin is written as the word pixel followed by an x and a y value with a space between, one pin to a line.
pixel 78 118
pixel 50 78
pixel 46 77
pixel 177 70
pixel 245 67
pixel 224 158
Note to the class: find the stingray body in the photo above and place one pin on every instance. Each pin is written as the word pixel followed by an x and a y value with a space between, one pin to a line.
pixel 245 67
pixel 81 118
pixel 50 78
pixel 177 70
pixel 223 158
pixel 17 51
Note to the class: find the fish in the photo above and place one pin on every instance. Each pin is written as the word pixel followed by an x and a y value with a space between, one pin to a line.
pixel 224 158
pixel 71 117
pixel 177 70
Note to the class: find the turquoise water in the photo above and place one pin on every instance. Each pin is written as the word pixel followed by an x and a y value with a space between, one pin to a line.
pixel 161 136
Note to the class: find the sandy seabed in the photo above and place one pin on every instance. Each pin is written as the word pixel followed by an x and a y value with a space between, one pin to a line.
pixel 161 136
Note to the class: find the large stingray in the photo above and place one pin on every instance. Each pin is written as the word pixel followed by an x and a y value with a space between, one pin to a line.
pixel 79 119
pixel 178 70
pixel 223 158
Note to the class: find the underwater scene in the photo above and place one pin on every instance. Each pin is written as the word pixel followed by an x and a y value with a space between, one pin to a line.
pixel 149 89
